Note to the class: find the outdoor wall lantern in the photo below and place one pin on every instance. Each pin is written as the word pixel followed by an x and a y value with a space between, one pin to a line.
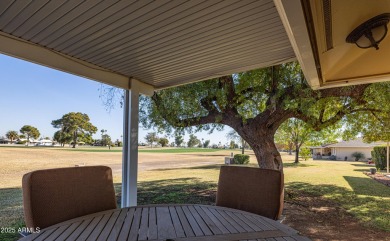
pixel 370 33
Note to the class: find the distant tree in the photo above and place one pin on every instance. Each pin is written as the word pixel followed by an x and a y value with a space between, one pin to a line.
pixel 234 136
pixel 62 137
pixel 298 132
pixel 75 123
pixel 22 136
pixel 106 140
pixel 206 143
pixel 163 142
pixel 12 135
pixel 150 138
pixel 118 143
pixel 179 140
pixel 30 131
pixel 232 144
pixel 283 138
pixel 193 141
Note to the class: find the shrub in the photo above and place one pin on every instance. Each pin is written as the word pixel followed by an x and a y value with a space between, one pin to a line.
pixel 332 157
pixel 21 142
pixel 379 157
pixel 357 155
pixel 241 159
pixel 305 153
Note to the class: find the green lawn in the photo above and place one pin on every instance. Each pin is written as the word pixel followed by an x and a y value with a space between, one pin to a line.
pixel 340 182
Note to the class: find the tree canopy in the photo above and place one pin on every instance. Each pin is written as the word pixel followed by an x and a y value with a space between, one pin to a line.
pixel 295 133
pixel 76 124
pixel 372 125
pixel 163 141
pixel 30 131
pixel 151 137
pixel 12 135
pixel 62 137
pixel 179 140
pixel 255 103
pixel 193 141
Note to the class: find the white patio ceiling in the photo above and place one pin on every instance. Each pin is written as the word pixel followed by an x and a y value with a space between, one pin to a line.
pixel 160 43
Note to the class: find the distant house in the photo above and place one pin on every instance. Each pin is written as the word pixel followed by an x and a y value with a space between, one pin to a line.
pixel 44 142
pixel 4 140
pixel 343 150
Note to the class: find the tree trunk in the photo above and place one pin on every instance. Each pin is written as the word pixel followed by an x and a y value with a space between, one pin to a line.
pixel 267 155
pixel 243 143
pixel 296 154
pixel 74 139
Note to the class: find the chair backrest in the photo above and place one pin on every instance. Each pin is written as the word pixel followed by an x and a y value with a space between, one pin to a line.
pixel 55 195
pixel 251 189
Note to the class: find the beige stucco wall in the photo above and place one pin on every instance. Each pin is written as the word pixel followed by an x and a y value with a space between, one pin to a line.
pixel 341 152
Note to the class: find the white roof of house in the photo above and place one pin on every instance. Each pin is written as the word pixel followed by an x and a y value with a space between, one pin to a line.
pixel 44 140
pixel 321 147
pixel 355 143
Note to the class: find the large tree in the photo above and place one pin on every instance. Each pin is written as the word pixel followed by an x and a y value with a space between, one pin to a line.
pixel 30 131
pixel 12 135
pixel 254 103
pixel 76 124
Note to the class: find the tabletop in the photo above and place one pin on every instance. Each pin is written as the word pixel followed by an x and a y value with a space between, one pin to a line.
pixel 168 223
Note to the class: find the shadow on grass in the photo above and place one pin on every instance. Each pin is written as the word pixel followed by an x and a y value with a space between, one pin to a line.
pixel 205 167
pixel 368 187
pixel 292 164
pixel 168 191
pixel 362 170
pixel 362 165
pixel 368 207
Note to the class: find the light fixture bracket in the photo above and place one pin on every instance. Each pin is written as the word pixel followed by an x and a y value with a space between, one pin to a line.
pixel 365 29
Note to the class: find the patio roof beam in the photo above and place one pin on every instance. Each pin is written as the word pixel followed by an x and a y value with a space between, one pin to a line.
pixel 38 54
pixel 293 19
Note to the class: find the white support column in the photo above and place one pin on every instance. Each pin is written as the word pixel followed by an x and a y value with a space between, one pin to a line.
pixel 130 146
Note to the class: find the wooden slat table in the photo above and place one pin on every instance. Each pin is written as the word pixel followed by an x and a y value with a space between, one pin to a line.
pixel 169 222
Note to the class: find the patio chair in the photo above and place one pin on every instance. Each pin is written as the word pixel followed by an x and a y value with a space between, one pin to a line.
pixel 55 195
pixel 255 190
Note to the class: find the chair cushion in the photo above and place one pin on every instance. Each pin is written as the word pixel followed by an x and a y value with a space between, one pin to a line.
pixel 55 195
pixel 250 189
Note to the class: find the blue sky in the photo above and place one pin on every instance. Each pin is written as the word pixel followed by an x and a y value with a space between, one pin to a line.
pixel 31 94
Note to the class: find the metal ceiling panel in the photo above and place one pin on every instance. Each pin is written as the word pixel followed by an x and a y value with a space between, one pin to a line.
pixel 161 43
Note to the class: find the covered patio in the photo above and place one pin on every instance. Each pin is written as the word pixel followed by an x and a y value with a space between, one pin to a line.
pixel 145 46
